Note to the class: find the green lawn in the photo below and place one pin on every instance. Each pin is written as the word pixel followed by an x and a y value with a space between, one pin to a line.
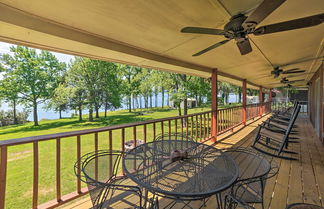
pixel 20 158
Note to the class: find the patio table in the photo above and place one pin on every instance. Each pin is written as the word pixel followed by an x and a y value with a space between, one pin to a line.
pixel 181 170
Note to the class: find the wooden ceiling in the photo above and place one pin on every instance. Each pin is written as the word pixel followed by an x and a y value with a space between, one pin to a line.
pixel 147 33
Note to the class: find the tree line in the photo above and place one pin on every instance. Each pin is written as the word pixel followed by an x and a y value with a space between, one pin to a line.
pixel 31 77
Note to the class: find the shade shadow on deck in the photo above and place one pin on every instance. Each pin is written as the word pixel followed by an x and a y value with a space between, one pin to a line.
pixel 299 180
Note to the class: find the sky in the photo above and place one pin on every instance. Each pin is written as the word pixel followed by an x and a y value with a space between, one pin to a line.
pixel 5 48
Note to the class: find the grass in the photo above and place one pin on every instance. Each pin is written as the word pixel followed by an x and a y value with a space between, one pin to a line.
pixel 20 158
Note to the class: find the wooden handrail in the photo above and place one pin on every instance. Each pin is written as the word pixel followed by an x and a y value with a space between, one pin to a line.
pixel 31 139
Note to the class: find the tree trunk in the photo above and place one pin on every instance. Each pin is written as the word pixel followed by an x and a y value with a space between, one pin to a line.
pixel 140 101
pixel 90 113
pixel 97 112
pixel 151 105
pixel 15 112
pixel 162 103
pixel 179 110
pixel 106 107
pixel 197 100
pixel 134 98
pixel 60 113
pixel 185 106
pixel 129 104
pixel 168 101
pixel 35 113
pixel 156 99
pixel 80 113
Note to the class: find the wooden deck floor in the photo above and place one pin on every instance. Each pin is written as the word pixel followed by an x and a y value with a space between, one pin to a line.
pixel 297 181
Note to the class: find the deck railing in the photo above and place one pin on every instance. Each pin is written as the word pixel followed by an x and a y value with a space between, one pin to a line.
pixel 70 146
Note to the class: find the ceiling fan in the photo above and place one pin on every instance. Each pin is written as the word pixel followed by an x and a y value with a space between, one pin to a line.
pixel 278 71
pixel 291 86
pixel 241 25
pixel 285 80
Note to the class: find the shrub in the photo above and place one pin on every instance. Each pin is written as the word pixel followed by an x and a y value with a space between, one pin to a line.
pixel 6 117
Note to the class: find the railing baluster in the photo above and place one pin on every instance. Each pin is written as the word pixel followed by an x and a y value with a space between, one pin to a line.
pixel 181 124
pixel 123 143
pixel 154 131
pixel 176 127
pixel 35 177
pixel 110 156
pixel 220 118
pixel 78 157
pixel 205 127
pixel 201 124
pixel 192 126
pixel 197 127
pixel 162 128
pixel 96 146
pixel 144 133
pixel 208 126
pixel 169 127
pixel 187 125
pixel 58 170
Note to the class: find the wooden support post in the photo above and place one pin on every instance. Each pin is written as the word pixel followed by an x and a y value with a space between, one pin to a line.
pixel 244 102
pixel 260 101
pixel 214 105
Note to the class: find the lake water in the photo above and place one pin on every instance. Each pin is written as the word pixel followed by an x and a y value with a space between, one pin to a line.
pixel 50 114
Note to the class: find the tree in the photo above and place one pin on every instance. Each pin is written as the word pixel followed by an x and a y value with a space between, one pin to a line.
pixel 83 76
pixel 35 73
pixel 180 86
pixel 95 83
pixel 111 86
pixel 177 98
pixel 145 87
pixel 131 85
pixel 225 89
pixel 60 99
pixel 198 88
pixel 9 92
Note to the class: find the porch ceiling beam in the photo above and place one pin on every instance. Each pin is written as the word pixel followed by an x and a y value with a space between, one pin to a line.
pixel 29 21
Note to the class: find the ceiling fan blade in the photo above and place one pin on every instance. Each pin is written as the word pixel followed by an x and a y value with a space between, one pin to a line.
pixel 291 72
pixel 292 76
pixel 210 31
pixel 293 69
pixel 261 12
pixel 295 81
pixel 210 48
pixel 244 46
pixel 290 25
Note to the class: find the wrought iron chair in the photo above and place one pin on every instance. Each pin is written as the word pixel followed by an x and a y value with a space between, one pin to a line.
pixel 249 190
pixel 174 136
pixel 99 170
